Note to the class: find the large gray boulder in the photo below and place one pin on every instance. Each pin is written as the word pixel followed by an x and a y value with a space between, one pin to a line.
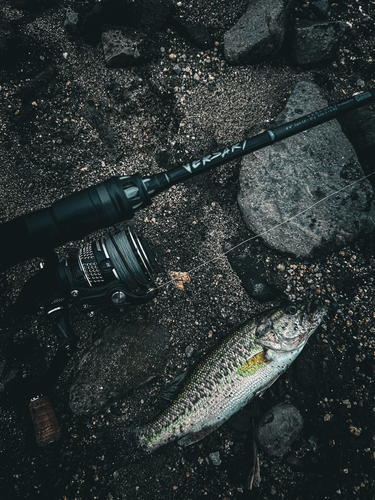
pixel 124 358
pixel 312 174
pixel 259 33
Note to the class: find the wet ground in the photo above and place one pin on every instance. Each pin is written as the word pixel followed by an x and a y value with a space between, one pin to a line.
pixel 68 122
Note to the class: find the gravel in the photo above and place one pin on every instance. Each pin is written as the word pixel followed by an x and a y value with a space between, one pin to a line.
pixel 68 122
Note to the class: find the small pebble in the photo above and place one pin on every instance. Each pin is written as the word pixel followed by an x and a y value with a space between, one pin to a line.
pixel 177 69
pixel 189 351
pixel 215 458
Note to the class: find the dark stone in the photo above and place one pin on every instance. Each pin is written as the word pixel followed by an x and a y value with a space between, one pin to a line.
pixel 359 127
pixel 278 429
pixel 316 41
pixel 197 33
pixel 321 8
pixel 124 47
pixel 126 357
pixel 71 23
pixel 252 273
pixel 259 33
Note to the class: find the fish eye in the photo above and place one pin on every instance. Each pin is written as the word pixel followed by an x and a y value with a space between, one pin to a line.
pixel 292 309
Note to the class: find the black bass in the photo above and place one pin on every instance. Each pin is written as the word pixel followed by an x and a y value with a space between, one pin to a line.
pixel 243 365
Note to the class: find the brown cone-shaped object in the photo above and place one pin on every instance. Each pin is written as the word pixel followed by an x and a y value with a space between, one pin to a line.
pixel 47 428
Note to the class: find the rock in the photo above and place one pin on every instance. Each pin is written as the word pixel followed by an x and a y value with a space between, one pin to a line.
pixel 320 8
pixel 359 127
pixel 71 23
pixel 189 351
pixel 286 179
pixel 123 47
pixel 197 33
pixel 177 69
pixel 215 458
pixel 259 33
pixel 252 273
pixel 278 429
pixel 316 41
pixel 262 291
pixel 123 359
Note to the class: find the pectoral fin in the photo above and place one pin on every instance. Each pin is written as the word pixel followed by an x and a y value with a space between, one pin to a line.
pixel 194 437
pixel 253 364
pixel 272 381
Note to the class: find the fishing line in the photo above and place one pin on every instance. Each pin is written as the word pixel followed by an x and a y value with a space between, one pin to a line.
pixel 194 269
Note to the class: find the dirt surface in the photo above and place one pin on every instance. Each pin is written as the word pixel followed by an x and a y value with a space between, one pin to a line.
pixel 68 122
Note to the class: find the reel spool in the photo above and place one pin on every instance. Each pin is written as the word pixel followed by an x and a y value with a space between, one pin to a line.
pixel 117 270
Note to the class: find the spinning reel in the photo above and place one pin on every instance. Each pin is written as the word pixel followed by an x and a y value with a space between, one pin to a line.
pixel 114 270
pixel 110 271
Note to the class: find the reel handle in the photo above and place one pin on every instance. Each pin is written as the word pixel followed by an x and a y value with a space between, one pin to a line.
pixel 46 425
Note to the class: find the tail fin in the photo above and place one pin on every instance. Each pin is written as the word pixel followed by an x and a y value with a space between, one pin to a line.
pixel 119 447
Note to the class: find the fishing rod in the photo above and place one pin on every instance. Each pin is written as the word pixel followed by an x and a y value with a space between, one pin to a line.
pixel 117 269
pixel 120 198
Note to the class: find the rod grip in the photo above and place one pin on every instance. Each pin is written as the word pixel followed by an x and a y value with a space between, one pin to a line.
pixel 47 428
pixel 71 218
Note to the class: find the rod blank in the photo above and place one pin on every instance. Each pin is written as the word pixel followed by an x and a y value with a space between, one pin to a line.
pixel 119 199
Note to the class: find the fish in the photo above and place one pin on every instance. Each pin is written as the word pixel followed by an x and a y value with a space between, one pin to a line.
pixel 240 367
